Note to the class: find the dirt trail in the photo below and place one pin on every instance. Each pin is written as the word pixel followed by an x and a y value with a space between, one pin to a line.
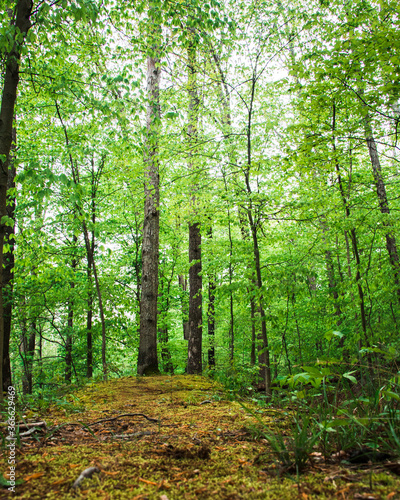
pixel 170 438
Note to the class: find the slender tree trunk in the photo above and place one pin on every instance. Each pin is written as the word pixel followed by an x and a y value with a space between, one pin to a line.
pixel 89 268
pixel 68 341
pixel 253 331
pixel 27 351
pixel 8 271
pixel 195 301
pixel 195 278
pixel 353 235
pixel 70 321
pixel 211 316
pixel 89 251
pixel 100 300
pixel 391 245
pixel 265 359
pixel 89 323
pixel 211 322
pixel 147 357
pixel 21 23
pixel 330 271
pixel 250 291
pixel 166 357
pixel 163 308
pixel 184 305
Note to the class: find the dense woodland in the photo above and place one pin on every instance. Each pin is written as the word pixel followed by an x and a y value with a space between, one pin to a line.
pixel 200 187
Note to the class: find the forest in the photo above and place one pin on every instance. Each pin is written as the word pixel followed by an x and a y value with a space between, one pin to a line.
pixel 205 188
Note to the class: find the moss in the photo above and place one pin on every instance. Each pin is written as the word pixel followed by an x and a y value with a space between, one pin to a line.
pixel 196 451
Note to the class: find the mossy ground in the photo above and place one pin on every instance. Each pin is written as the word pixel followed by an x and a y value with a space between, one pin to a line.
pixel 200 449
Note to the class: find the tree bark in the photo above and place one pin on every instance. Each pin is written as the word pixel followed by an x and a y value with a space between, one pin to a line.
pixel 391 245
pixel 353 235
pixel 8 274
pixel 21 21
pixel 147 357
pixel 211 316
pixel 89 315
pixel 184 305
pixel 195 278
pixel 163 308
pixel 90 259
pixel 195 301
pixel 27 352
pixel 70 321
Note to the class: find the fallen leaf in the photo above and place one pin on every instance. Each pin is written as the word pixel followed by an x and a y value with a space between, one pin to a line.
pixel 34 476
pixel 60 481
pixel 148 482
pixel 110 473
pixel 73 466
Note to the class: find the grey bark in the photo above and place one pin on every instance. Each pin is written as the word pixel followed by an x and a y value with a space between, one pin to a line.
pixel 391 245
pixel 147 357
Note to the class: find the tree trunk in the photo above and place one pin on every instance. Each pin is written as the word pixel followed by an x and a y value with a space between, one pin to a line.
pixel 162 322
pixel 21 23
pixel 195 278
pixel 330 271
pixel 211 322
pixel 383 202
pixel 8 269
pixel 353 235
pixel 264 359
pixel 70 321
pixel 166 357
pixel 68 342
pixel 101 309
pixel 184 306
pixel 27 352
pixel 90 259
pixel 211 312
pixel 89 250
pixel 253 331
pixel 147 357
pixel 195 301
pixel 263 355
pixel 89 324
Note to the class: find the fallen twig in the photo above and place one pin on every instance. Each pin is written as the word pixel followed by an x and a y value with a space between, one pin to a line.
pixel 125 415
pixel 135 434
pixel 31 431
pixel 87 473
pixel 23 425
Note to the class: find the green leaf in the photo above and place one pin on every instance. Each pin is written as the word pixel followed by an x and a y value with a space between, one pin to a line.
pixel 313 371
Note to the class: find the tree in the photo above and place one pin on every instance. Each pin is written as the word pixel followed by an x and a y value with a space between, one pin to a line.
pixel 147 357
pixel 195 276
pixel 20 24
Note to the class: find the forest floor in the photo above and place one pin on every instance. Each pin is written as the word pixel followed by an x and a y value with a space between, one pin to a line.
pixel 169 438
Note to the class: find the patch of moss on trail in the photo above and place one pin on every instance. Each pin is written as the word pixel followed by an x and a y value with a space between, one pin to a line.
pixel 199 448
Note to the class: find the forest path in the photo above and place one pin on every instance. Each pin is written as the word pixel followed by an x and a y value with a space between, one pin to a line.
pixel 179 439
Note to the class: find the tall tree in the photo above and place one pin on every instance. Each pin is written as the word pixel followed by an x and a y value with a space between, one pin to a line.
pixel 20 23
pixel 147 357
pixel 195 276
